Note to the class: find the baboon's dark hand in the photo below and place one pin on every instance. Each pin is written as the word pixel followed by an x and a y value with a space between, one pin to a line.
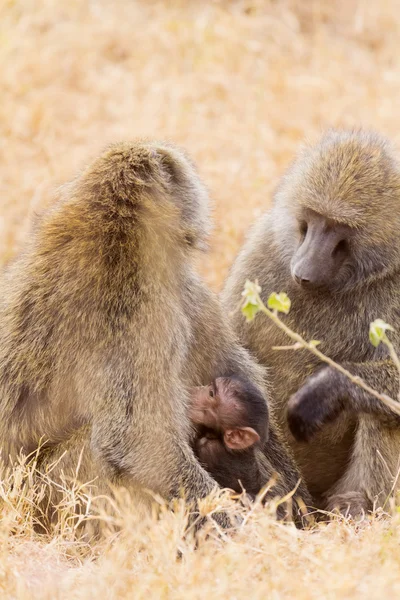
pixel 319 401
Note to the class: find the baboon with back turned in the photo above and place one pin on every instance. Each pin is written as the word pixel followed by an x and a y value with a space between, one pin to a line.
pixel 332 242
pixel 104 325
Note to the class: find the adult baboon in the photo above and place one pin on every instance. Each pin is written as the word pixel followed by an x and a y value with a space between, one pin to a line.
pixel 104 324
pixel 331 241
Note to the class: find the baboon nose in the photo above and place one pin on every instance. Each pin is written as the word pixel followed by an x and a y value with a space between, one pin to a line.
pixel 301 280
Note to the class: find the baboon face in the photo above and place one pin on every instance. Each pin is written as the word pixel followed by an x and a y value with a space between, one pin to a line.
pixel 323 258
pixel 337 213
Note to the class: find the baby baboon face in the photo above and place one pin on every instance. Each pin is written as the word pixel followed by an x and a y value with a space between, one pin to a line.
pixel 229 414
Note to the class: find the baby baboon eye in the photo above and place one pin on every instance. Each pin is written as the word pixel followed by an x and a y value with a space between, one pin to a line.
pixel 211 393
pixel 189 239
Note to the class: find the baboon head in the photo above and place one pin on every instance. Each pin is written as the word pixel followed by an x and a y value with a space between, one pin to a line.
pixel 338 212
pixel 149 182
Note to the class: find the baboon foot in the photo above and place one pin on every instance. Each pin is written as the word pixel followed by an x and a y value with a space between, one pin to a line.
pixel 349 504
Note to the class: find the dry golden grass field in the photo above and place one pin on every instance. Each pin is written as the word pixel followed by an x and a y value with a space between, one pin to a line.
pixel 239 84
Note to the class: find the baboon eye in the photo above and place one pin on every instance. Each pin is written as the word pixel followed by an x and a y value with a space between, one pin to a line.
pixel 211 393
pixel 303 228
pixel 340 248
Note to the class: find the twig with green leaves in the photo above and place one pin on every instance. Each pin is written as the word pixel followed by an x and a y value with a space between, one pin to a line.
pixel 280 303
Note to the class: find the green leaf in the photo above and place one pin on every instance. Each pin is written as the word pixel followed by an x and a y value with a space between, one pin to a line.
pixel 252 302
pixel 280 302
pixel 250 310
pixel 377 331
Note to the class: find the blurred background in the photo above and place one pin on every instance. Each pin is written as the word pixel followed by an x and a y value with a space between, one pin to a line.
pixel 239 84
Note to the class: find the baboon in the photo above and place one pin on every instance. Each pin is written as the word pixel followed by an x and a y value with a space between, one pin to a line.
pixel 233 407
pixel 230 416
pixel 234 445
pixel 331 241
pixel 104 325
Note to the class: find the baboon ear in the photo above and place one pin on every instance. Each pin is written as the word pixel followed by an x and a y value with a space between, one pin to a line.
pixel 240 438
pixel 176 164
pixel 189 192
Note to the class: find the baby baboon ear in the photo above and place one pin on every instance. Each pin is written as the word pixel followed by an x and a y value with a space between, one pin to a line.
pixel 240 438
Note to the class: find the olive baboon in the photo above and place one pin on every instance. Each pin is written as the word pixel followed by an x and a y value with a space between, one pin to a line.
pixel 230 416
pixel 331 241
pixel 232 442
pixel 104 324
pixel 232 407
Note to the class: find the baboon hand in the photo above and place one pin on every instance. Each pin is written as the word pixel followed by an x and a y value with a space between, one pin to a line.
pixel 317 402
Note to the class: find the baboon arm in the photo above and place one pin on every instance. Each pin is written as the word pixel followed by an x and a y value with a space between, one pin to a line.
pixel 383 377
pixel 147 446
pixel 327 393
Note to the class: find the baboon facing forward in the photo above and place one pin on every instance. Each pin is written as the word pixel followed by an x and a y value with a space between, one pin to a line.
pixel 104 324
pixel 332 242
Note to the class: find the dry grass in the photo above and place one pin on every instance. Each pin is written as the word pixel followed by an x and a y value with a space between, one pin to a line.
pixel 239 84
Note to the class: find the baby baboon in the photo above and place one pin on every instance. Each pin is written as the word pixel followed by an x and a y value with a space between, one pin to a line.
pixel 234 407
pixel 104 325
pixel 233 444
pixel 230 416
pixel 331 241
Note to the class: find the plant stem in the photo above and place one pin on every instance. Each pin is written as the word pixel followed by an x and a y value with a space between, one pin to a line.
pixel 392 404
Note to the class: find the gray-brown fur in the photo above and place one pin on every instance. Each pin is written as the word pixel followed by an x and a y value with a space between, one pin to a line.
pixel 346 442
pixel 104 325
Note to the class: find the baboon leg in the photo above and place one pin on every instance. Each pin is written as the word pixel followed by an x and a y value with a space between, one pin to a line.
pixel 373 473
pixel 77 483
